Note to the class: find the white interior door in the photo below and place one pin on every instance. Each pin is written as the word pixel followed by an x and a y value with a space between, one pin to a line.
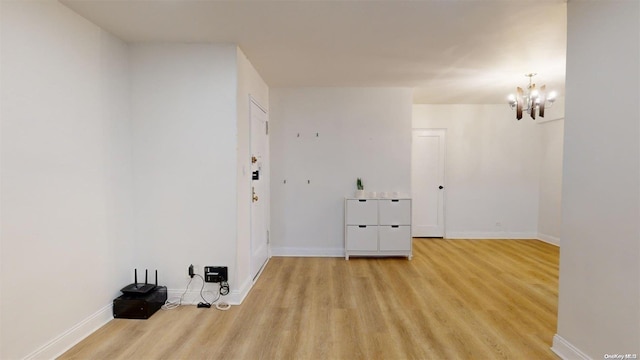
pixel 427 183
pixel 259 188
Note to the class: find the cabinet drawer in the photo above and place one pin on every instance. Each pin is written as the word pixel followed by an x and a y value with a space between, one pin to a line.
pixel 395 238
pixel 395 212
pixel 362 238
pixel 362 212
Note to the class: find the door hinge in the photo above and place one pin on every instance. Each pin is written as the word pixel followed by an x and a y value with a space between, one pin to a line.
pixel 266 127
pixel 268 241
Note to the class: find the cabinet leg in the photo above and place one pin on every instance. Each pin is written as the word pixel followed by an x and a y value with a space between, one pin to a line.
pixel 346 257
pixel 410 257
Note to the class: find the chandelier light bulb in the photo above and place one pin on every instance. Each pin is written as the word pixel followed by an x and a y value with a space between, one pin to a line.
pixel 531 100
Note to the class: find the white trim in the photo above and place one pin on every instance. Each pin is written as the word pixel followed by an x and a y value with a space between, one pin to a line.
pixel 255 278
pixel 236 297
pixel 192 296
pixel 65 341
pixel 257 103
pixel 307 252
pixel 267 197
pixel 491 235
pixel 549 239
pixel 566 351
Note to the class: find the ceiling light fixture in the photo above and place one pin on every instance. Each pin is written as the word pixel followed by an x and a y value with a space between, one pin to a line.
pixel 533 101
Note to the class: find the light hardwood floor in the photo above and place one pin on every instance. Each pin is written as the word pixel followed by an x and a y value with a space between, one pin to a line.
pixel 457 299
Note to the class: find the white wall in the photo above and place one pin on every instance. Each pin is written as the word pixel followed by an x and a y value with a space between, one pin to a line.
pixel 66 223
pixel 599 294
pixel 184 155
pixel 491 169
pixel 249 84
pixel 113 157
pixel 550 187
pixel 362 132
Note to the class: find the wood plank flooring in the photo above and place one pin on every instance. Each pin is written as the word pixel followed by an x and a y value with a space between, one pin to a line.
pixel 457 299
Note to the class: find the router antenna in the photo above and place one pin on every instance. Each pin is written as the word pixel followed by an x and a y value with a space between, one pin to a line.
pixel 145 276
pixel 135 276
pixel 156 277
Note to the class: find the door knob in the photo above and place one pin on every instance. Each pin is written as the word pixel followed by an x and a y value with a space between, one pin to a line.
pixel 254 197
pixel 440 187
pixel 254 159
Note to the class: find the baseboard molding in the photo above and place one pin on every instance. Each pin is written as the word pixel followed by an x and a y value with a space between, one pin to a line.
pixel 86 327
pixel 307 252
pixel 74 335
pixel 236 297
pixel 549 239
pixel 210 292
pixel 192 297
pixel 566 351
pixel 491 235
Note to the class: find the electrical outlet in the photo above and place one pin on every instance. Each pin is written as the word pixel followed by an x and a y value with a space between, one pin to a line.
pixel 215 274
pixel 191 273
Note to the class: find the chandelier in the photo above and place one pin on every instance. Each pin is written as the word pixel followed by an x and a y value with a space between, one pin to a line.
pixel 532 101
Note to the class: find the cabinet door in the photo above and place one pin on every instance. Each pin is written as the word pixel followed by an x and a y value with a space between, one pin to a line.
pixel 395 238
pixel 395 212
pixel 362 212
pixel 362 237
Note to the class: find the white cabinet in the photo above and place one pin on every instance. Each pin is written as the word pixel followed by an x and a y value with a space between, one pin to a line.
pixel 362 212
pixel 394 212
pixel 394 238
pixel 377 227
pixel 363 237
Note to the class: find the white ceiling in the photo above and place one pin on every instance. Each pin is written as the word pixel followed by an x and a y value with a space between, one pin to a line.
pixel 450 51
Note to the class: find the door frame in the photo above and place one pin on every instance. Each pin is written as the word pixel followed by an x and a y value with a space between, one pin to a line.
pixel 266 195
pixel 444 174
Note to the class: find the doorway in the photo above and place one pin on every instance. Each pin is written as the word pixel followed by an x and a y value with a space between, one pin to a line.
pixel 427 182
pixel 259 148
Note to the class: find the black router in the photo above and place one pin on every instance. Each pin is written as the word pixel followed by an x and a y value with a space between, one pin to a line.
pixel 139 301
pixel 139 288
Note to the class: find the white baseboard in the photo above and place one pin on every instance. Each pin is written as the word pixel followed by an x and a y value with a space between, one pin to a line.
pixel 307 252
pixel 192 296
pixel 566 351
pixel 491 235
pixel 549 239
pixel 86 327
pixel 74 335
pixel 236 297
pixel 210 292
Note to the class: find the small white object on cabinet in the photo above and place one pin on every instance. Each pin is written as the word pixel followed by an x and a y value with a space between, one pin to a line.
pixel 377 227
